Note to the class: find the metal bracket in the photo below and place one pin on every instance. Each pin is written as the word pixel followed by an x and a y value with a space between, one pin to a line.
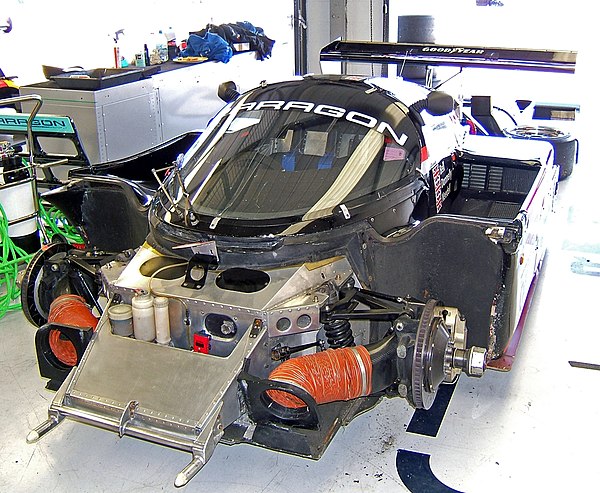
pixel 197 270
pixel 500 234
pixel 127 415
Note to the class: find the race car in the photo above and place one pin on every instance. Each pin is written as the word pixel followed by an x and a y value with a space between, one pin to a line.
pixel 327 242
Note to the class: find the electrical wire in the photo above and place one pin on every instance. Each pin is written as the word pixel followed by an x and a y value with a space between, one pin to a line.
pixel 12 258
pixel 68 309
pixel 56 223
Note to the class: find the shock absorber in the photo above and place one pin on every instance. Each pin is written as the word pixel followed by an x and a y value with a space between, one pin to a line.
pixel 338 333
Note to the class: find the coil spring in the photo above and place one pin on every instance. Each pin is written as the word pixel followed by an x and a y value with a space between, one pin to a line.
pixel 339 334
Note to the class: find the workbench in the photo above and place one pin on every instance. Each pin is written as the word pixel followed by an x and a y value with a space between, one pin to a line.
pixel 119 121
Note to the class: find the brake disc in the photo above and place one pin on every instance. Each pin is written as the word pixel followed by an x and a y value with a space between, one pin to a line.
pixel 35 298
pixel 432 344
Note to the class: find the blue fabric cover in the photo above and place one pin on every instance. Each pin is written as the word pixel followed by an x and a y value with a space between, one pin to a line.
pixel 210 45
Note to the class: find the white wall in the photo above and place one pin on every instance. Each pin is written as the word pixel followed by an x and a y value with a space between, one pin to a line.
pixel 555 24
pixel 79 32
pixel 541 24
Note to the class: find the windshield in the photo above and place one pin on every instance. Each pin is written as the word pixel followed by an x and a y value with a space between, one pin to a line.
pixel 274 157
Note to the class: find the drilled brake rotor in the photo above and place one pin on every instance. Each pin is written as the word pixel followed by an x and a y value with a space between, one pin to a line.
pixel 431 345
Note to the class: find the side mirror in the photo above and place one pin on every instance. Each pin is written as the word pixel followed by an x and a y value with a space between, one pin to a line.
pixel 439 103
pixel 228 91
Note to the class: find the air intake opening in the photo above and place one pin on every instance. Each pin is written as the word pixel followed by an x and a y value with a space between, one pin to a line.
pixel 243 280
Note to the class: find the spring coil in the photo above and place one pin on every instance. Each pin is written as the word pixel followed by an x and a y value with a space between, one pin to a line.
pixel 339 333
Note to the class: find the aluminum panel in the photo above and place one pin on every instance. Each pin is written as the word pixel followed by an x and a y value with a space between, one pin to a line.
pixel 160 378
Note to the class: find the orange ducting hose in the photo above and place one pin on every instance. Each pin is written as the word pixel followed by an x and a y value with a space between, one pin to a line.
pixel 332 375
pixel 68 309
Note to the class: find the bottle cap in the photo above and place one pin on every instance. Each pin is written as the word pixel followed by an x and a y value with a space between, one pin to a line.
pixel 142 301
pixel 161 302
pixel 120 312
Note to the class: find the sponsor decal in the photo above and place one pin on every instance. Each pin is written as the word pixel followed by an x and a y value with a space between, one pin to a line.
pixel 442 176
pixel 394 153
pixel 327 110
pixel 49 124
pixel 453 50
pixel 437 186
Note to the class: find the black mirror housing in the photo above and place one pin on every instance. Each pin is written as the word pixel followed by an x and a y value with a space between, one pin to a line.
pixel 228 92
pixel 439 103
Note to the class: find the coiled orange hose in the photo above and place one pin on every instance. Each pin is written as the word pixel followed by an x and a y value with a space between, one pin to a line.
pixel 332 375
pixel 68 309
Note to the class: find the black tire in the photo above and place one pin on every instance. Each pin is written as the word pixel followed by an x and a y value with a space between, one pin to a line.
pixel 566 147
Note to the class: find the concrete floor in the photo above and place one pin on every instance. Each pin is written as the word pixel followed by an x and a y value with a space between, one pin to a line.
pixel 533 429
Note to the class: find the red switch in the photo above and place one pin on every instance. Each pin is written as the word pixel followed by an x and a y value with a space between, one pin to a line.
pixel 201 343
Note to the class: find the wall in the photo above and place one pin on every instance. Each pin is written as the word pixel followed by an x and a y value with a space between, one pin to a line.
pixel 66 33
pixel 349 19
pixel 71 32
pixel 518 23
pixel 540 24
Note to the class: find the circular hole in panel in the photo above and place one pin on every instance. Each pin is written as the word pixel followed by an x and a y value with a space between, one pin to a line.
pixel 303 321
pixel 283 324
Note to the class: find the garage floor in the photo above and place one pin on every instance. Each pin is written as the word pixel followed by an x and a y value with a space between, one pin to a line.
pixel 533 429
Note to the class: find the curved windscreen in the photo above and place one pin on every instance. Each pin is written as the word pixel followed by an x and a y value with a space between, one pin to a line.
pixel 299 151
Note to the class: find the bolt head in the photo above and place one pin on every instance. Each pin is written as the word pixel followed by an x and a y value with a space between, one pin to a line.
pixel 402 390
pixel 401 351
pixel 477 357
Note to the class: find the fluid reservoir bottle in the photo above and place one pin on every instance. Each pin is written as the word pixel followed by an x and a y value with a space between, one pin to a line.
pixel 121 319
pixel 161 320
pixel 143 318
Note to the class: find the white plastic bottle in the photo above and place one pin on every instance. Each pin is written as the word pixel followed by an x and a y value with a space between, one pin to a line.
pixel 161 320
pixel 172 51
pixel 121 319
pixel 154 47
pixel 161 46
pixel 143 318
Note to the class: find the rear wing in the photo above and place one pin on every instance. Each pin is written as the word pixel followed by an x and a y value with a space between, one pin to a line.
pixel 561 61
